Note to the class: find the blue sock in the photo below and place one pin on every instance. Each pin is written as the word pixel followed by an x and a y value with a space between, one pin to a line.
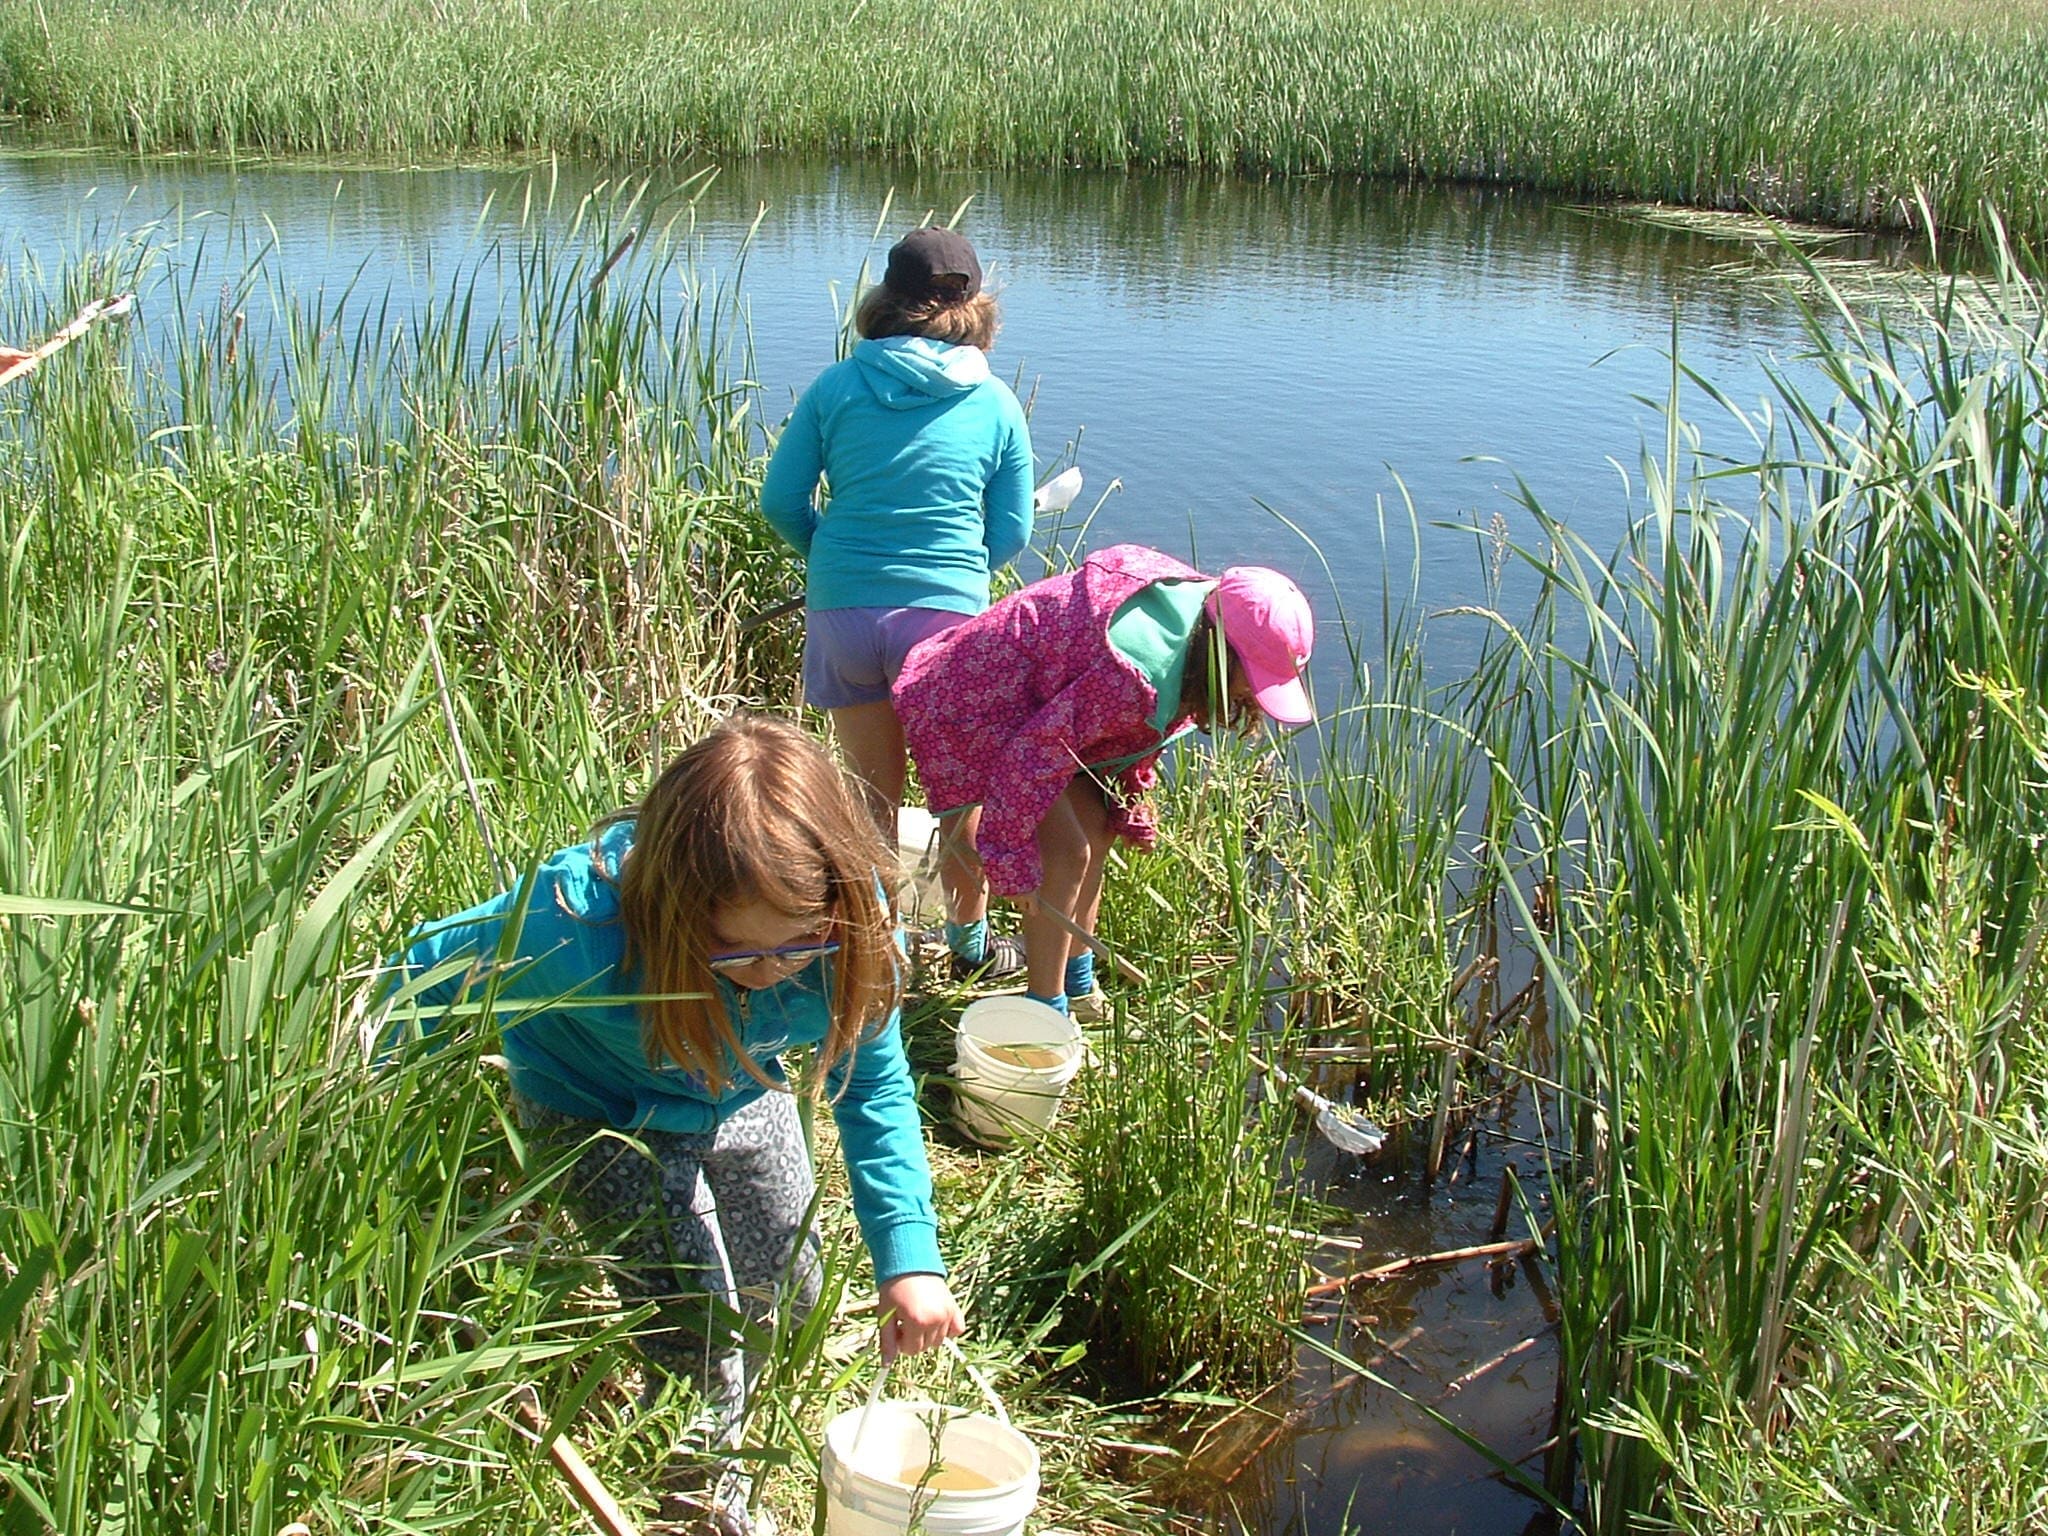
pixel 1058 1001
pixel 1081 974
pixel 968 940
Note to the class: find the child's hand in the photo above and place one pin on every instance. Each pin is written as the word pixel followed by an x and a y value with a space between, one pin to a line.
pixel 918 1313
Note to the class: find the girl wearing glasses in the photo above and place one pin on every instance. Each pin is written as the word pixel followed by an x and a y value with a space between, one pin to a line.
pixel 649 980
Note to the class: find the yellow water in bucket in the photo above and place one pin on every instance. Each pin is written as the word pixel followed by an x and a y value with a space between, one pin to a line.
pixel 1027 1055
pixel 921 1472
pixel 1013 1058
pixel 888 1466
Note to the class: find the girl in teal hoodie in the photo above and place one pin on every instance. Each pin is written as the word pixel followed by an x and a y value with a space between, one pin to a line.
pixel 928 464
pixel 649 981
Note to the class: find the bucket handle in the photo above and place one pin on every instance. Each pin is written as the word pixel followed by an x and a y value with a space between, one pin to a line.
pixel 874 1396
pixel 959 1358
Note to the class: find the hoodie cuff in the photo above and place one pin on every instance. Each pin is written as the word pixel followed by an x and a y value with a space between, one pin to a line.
pixel 906 1248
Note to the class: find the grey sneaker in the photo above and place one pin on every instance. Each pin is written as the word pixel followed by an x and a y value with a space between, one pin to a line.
pixel 1091 1009
pixel 730 1514
pixel 738 1520
pixel 1004 956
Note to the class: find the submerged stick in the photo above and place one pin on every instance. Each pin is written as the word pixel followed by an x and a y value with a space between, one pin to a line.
pixel 1515 1249
pixel 1498 1360
pixel 1293 1419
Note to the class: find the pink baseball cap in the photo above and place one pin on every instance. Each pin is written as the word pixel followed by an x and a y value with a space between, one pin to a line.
pixel 1266 621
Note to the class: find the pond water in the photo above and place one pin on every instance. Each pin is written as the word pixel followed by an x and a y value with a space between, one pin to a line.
pixel 1252 366
pixel 1471 1340
pixel 1233 357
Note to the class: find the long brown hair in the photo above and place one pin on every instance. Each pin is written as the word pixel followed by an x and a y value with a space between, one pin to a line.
pixel 1205 684
pixel 755 811
pixel 969 322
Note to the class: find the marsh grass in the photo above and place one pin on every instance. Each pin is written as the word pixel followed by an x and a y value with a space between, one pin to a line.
pixel 1762 794
pixel 242 1272
pixel 1793 733
pixel 1372 845
pixel 1842 114
pixel 1180 1172
pixel 1916 1400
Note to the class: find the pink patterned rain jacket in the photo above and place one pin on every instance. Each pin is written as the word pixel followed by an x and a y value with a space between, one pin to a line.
pixel 1004 709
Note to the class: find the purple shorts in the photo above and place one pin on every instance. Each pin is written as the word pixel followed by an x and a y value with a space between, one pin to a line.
pixel 852 655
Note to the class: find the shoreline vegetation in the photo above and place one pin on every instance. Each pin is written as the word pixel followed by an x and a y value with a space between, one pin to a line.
pixel 303 625
pixel 306 622
pixel 1843 112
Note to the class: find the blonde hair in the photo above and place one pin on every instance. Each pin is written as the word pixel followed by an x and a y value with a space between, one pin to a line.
pixel 971 322
pixel 754 812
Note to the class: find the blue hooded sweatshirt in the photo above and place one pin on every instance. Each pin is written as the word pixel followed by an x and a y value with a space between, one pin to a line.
pixel 571 1036
pixel 928 462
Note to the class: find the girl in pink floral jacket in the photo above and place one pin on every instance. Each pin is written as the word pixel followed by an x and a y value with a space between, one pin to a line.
pixel 1049 711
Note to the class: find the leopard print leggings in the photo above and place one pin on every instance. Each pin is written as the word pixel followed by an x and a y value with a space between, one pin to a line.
pixel 709 1226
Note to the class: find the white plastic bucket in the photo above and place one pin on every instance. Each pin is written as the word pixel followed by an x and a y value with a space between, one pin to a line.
pixel 917 849
pixel 1013 1058
pixel 881 1476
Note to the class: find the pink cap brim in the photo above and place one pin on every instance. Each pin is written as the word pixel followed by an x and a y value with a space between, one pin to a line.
pixel 1285 702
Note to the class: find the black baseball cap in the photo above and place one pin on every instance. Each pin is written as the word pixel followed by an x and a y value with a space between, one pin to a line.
pixel 933 263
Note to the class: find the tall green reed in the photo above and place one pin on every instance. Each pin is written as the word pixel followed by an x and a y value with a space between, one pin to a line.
pixel 1375 852
pixel 1916 1402
pixel 289 653
pixel 1775 725
pixel 1179 1169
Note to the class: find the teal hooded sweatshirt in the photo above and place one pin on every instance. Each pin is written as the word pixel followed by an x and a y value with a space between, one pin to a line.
pixel 928 462
pixel 551 971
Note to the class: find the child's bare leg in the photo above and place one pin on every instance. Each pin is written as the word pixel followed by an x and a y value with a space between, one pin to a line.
pixel 1073 840
pixel 960 867
pixel 1088 902
pixel 977 954
pixel 1084 997
pixel 872 738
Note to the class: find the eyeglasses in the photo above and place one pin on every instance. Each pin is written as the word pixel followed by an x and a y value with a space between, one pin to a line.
pixel 789 954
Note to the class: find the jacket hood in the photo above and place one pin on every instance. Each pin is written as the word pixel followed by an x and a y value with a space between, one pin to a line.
pixel 909 372
pixel 594 899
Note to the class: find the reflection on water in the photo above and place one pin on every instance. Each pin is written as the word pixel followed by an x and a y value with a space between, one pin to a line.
pixel 1326 350
pixel 1472 1340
